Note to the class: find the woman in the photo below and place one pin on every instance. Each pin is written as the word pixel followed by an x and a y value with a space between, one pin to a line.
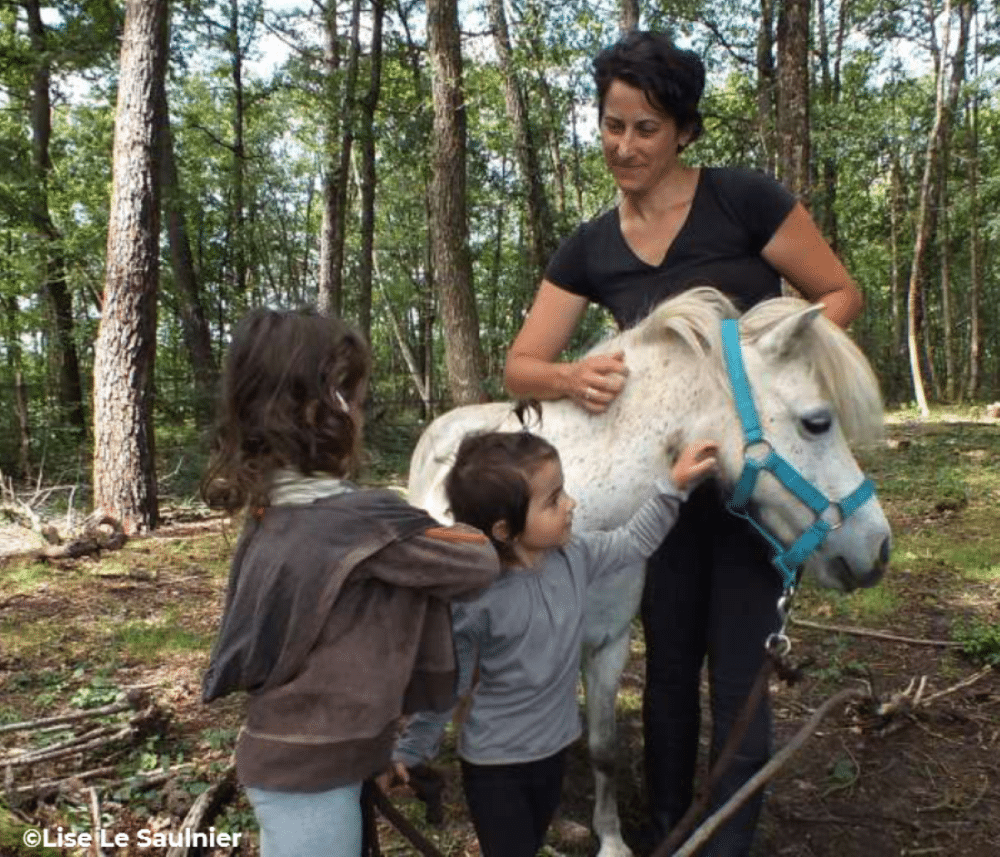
pixel 713 592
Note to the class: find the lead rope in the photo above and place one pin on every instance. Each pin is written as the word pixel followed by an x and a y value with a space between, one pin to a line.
pixel 372 797
pixel 776 648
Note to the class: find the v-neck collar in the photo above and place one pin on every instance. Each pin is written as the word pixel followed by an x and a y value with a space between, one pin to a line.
pixel 677 238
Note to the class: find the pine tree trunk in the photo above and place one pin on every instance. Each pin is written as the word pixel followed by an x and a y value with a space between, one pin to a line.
pixel 793 97
pixel 190 309
pixel 449 208
pixel 124 453
pixel 56 284
pixel 766 87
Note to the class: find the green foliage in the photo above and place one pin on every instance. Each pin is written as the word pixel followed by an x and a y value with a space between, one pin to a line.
pixel 870 121
pixel 980 640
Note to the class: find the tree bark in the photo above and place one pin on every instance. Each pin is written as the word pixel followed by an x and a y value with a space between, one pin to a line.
pixel 965 12
pixel 766 87
pixel 975 274
pixel 830 86
pixel 793 96
pixel 329 297
pixel 925 221
pixel 541 230
pixel 331 288
pixel 897 208
pixel 191 311
pixel 56 285
pixel 124 453
pixel 238 235
pixel 449 208
pixel 14 366
pixel 368 176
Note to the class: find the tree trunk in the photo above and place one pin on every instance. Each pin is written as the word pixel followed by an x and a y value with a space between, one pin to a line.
pixel 975 274
pixel 926 221
pixel 56 285
pixel 897 208
pixel 124 454
pixel 15 368
pixel 540 226
pixel 329 297
pixel 331 285
pixel 191 311
pixel 238 235
pixel 793 97
pixel 368 176
pixel 765 87
pixel 965 12
pixel 449 208
pixel 426 305
pixel 945 268
pixel 628 15
pixel 830 85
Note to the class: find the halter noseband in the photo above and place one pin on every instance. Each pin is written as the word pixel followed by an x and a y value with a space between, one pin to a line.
pixel 787 561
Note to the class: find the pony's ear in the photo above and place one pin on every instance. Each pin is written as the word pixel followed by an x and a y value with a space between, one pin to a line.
pixel 782 339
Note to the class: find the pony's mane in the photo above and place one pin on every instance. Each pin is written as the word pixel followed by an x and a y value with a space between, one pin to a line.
pixel 840 368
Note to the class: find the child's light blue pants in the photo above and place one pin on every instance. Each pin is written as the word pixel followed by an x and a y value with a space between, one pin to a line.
pixel 320 824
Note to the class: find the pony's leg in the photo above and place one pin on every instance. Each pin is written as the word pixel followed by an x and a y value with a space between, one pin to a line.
pixel 602 670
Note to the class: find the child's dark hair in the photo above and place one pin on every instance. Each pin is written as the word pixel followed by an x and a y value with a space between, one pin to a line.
pixel 489 482
pixel 279 405
pixel 671 77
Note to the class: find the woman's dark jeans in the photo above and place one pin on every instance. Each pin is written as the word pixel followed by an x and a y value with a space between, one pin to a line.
pixel 711 591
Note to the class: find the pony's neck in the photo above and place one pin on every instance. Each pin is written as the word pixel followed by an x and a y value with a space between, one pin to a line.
pixel 674 397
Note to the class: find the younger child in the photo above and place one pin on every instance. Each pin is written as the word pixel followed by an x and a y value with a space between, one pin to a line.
pixel 336 619
pixel 523 635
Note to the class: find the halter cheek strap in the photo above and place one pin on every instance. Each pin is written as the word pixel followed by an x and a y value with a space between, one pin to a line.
pixel 788 561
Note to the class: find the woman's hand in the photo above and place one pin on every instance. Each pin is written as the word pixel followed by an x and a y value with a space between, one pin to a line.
pixel 596 381
pixel 696 461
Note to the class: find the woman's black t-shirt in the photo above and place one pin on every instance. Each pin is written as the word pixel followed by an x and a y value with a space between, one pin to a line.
pixel 733 215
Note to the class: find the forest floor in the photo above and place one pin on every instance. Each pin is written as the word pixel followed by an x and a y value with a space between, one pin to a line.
pixel 79 634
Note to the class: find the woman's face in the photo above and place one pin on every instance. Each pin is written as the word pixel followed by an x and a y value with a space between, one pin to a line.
pixel 640 143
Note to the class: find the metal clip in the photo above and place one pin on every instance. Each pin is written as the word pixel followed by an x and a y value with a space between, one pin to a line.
pixel 778 644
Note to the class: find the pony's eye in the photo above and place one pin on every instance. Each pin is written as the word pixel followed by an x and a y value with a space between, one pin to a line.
pixel 817 424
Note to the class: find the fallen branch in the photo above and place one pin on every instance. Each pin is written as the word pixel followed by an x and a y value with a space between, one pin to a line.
pixel 866 632
pixel 764 775
pixel 68 748
pixel 72 717
pixel 965 682
pixel 95 820
pixel 204 809
pixel 47 788
pixel 92 539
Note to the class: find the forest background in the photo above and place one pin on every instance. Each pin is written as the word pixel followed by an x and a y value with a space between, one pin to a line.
pixel 411 166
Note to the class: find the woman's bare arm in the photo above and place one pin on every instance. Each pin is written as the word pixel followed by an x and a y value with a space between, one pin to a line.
pixel 532 369
pixel 800 254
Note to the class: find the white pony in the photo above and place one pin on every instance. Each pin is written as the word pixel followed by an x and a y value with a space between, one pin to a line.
pixel 813 390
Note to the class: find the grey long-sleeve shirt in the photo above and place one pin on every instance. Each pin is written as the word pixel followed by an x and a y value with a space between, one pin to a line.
pixel 525 632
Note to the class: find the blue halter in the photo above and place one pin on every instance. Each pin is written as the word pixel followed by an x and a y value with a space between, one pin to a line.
pixel 787 561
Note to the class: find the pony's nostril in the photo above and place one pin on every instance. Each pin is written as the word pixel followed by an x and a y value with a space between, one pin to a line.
pixel 883 554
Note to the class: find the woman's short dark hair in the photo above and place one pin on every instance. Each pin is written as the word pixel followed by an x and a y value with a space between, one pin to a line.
pixel 489 482
pixel 672 78
pixel 279 404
